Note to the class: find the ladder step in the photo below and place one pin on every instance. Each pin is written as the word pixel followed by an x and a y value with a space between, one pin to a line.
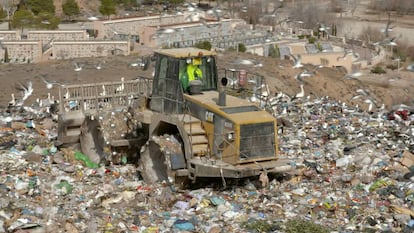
pixel 198 139
pixel 194 129
pixel 200 149
pixel 191 172
pixel 76 131
pixel 189 119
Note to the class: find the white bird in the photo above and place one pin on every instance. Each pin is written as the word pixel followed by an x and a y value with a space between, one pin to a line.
pixel 346 53
pixel 352 75
pixel 362 92
pixel 138 63
pixel 46 102
pixel 12 102
pixel 78 67
pixel 410 67
pixel 103 93
pixel 247 62
pixel 121 87
pixel 370 104
pixel 297 61
pixel 26 89
pixel 301 94
pixel 300 77
pixel 166 31
pixel 92 18
pixel 49 84
pixel 216 12
pixel 98 66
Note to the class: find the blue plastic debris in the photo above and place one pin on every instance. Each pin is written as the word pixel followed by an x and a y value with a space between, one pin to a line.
pixel 184 225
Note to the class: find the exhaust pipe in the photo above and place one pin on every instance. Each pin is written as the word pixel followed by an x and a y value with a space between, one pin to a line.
pixel 222 92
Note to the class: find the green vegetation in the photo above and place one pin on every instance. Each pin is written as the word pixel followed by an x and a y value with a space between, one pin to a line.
pixel 319 46
pixel 107 8
pixel 274 51
pixel 378 70
pixel 70 8
pixel 392 66
pixel 334 30
pixel 38 6
pixel 39 14
pixel 304 226
pixel 254 225
pixel 203 45
pixel 311 40
pixel 22 19
pixel 3 13
pixel 127 4
pixel 242 48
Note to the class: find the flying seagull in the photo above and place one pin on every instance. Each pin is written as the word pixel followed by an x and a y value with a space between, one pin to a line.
pixel 49 84
pixel 216 12
pixel 353 75
pixel 26 89
pixel 78 67
pixel 99 65
pixel 300 77
pixel 297 61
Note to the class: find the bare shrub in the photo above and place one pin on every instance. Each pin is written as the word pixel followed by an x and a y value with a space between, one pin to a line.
pixel 371 35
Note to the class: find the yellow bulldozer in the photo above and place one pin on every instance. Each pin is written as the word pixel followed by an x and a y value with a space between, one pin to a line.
pixel 176 126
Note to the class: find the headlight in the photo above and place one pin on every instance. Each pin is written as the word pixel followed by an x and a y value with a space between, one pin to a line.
pixel 230 136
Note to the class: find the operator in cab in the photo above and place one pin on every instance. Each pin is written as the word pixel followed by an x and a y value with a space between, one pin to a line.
pixel 191 75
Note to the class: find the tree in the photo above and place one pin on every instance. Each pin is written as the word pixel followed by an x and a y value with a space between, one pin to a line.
pixel 22 18
pixel 107 7
pixel 128 4
pixel 371 35
pixel 46 21
pixel 37 6
pixel 70 8
pixel 274 51
pixel 241 48
pixel 203 45
pixel 253 13
pixel 3 13
pixel 310 15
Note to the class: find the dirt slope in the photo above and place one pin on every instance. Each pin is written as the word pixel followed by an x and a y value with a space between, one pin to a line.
pixel 391 88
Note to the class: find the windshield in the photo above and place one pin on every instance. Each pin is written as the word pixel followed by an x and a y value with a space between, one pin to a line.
pixel 203 69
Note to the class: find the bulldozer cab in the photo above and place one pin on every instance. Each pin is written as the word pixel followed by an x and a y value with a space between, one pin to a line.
pixel 180 71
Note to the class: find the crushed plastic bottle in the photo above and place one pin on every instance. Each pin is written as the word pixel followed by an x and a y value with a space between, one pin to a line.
pixel 85 159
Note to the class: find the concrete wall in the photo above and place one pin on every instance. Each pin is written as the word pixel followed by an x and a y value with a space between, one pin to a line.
pixel 21 51
pixel 329 59
pixel 10 35
pixel 297 48
pixel 187 34
pixel 75 49
pixel 48 35
pixel 109 29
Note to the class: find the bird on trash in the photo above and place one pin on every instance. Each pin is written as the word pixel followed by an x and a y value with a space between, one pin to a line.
pixel 264 179
pixel 299 95
pixel 12 102
pixel 121 87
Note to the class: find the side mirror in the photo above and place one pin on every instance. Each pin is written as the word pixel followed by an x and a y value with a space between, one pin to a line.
pixel 145 63
pixel 224 81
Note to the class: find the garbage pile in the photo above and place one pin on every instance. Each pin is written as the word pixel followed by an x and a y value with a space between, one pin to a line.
pixel 355 173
